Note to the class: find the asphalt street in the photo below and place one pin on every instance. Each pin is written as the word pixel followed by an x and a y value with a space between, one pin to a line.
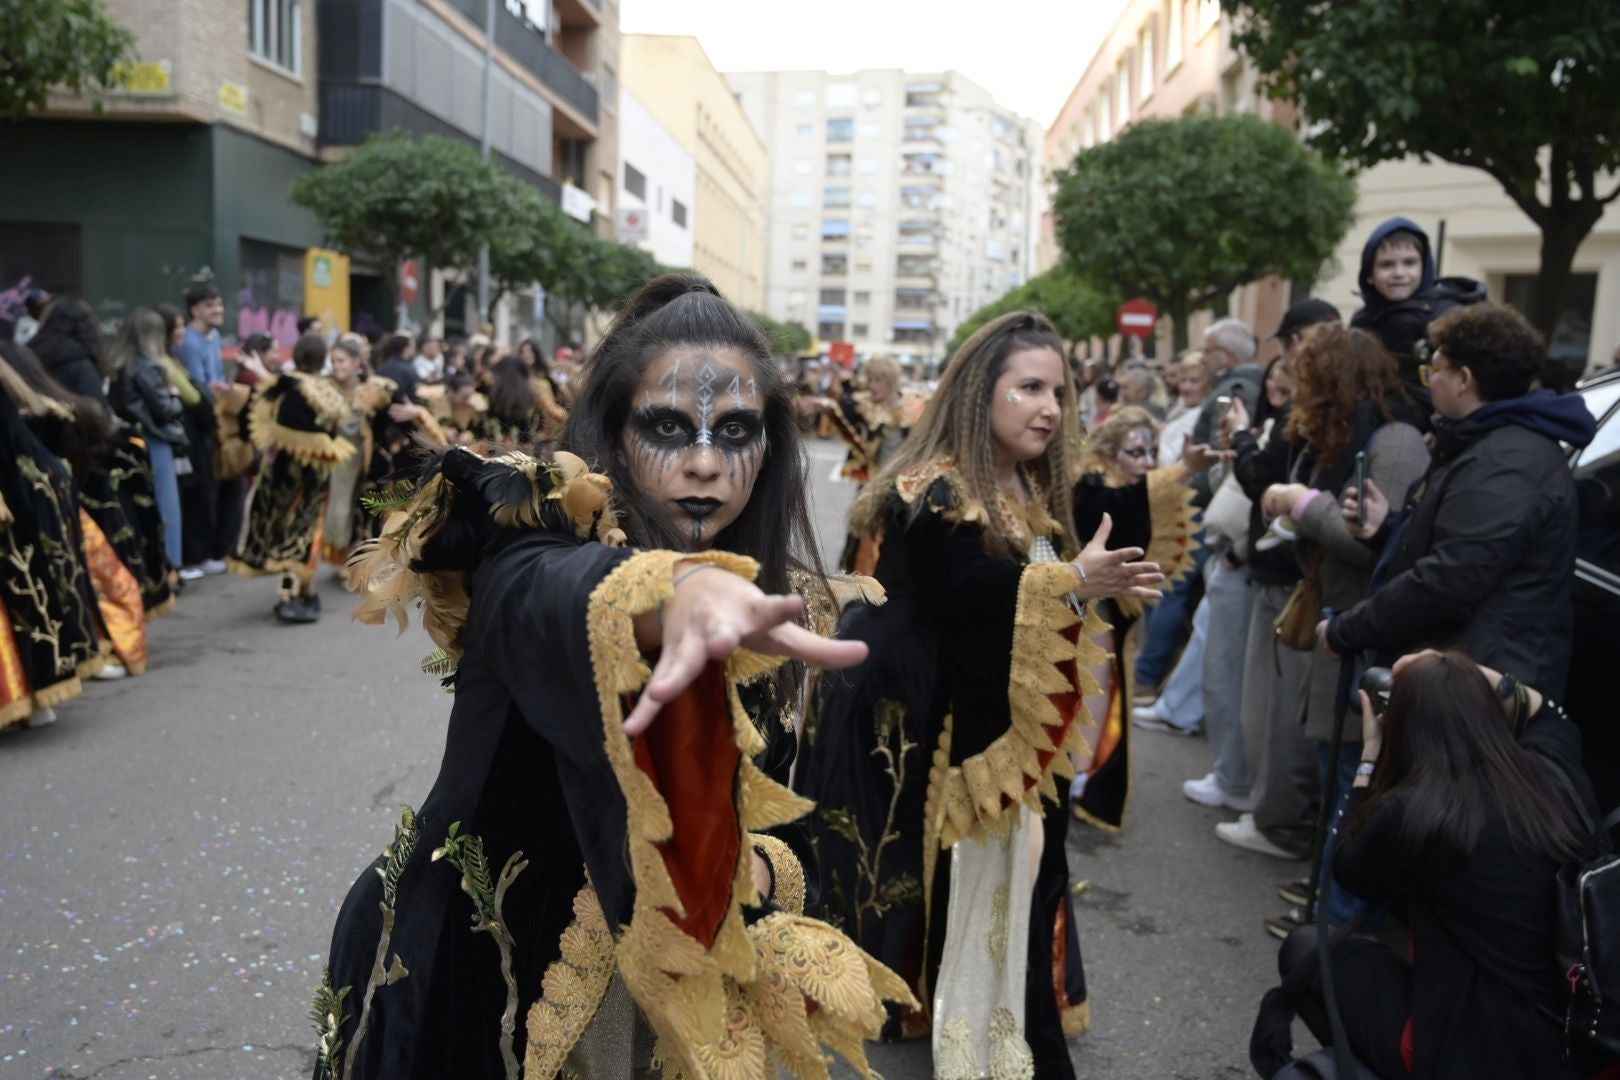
pixel 174 850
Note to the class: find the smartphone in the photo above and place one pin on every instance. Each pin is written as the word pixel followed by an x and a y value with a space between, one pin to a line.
pixel 1223 405
pixel 1361 487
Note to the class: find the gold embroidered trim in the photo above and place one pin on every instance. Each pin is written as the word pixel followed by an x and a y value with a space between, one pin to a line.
pixel 1174 524
pixel 787 873
pixel 997 938
pixel 573 988
pixel 976 797
pixel 956 1059
pixel 1010 1057
pixel 1020 524
pixel 719 1011
pixel 310 447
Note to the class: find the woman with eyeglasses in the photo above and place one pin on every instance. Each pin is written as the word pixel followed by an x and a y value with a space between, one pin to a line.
pixel 1350 400
pixel 1151 508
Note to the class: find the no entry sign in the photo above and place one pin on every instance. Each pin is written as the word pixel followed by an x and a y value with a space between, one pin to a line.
pixel 1136 318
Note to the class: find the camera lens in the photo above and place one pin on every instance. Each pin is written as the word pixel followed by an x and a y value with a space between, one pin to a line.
pixel 1378 682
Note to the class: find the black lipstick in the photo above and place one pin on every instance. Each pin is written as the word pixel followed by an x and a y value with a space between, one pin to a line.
pixel 699 508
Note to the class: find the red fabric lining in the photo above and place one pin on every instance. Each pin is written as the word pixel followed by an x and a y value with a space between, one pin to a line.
pixel 690 753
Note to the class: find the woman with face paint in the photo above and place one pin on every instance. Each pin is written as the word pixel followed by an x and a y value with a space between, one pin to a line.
pixel 1151 508
pixel 607 870
pixel 929 761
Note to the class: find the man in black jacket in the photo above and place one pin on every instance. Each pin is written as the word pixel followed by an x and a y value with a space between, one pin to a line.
pixel 1484 555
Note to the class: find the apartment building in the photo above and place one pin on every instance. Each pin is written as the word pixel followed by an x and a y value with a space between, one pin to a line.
pixel 898 203
pixel 187 172
pixel 673 78
pixel 657 186
pixel 1164 58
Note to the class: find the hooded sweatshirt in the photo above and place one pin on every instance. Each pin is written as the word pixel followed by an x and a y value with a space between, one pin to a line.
pixel 1400 324
pixel 1484 557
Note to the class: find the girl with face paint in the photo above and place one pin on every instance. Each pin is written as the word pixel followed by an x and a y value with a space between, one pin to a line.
pixel 610 811
pixel 930 761
pixel 1151 509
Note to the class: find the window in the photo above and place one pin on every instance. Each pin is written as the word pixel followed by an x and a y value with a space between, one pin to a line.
pixel 866 166
pixel 868 198
pixel 635 183
pixel 1144 62
pixel 1209 13
pixel 862 298
pixel 858 330
pixel 1103 115
pixel 835 196
pixel 871 98
pixel 804 132
pixel 803 166
pixel 801 231
pixel 799 199
pixel 835 228
pixel 835 264
pixel 1572 337
pixel 871 132
pixel 1122 93
pixel 276 33
pixel 840 129
pixel 800 265
pixel 805 99
pixel 841 95
pixel 833 296
pixel 677 212
pixel 863 268
pixel 830 331
pixel 1173 18
pixel 610 87
pixel 839 164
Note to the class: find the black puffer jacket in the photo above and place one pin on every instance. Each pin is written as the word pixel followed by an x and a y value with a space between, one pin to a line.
pixel 1483 558
pixel 76 370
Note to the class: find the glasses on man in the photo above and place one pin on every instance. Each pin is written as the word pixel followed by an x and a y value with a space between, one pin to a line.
pixel 1425 354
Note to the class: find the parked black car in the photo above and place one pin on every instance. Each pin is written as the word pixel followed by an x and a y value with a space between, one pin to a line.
pixel 1594 677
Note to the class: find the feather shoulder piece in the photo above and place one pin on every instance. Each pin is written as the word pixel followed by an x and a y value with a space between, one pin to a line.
pixel 298 414
pixel 433 529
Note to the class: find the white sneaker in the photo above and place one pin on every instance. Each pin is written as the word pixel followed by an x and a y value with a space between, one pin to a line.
pixel 1243 833
pixel 191 573
pixel 42 716
pixel 213 566
pixel 1150 713
pixel 1207 791
pixel 112 669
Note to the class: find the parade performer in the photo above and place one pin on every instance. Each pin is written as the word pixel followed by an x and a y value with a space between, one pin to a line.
pixel 609 813
pixel 347 522
pixel 461 409
pixel 1151 508
pixel 45 588
pixel 928 762
pixel 872 423
pixel 293 420
pixel 549 397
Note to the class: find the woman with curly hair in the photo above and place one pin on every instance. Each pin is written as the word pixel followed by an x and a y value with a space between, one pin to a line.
pixel 1349 400
pixel 930 761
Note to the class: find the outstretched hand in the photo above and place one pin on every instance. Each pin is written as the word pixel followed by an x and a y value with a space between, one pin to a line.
pixel 711 615
pixel 1115 573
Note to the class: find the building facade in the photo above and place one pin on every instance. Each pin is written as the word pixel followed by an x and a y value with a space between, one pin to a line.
pixel 657 184
pixel 673 78
pixel 187 172
pixel 899 203
pixel 1164 58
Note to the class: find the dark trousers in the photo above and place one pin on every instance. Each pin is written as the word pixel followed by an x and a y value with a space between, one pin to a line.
pixel 1373 988
pixel 211 516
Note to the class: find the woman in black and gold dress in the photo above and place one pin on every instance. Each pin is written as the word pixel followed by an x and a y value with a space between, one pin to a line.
pixel 606 871
pixel 929 761
pixel 293 420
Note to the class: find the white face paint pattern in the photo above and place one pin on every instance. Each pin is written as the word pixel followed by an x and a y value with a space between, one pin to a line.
pixel 1013 396
pixel 705 403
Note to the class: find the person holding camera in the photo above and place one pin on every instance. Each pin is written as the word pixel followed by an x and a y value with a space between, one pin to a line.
pixel 1456 808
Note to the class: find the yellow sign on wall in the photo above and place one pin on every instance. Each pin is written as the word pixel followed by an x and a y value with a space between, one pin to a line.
pixel 233 97
pixel 326 287
pixel 144 77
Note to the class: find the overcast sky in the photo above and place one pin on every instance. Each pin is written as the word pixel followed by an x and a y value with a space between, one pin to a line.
pixel 1027 53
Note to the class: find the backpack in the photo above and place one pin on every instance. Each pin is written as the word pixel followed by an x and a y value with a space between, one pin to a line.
pixel 1588 936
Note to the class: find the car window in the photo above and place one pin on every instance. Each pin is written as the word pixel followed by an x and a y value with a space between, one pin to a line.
pixel 1597 487
pixel 1601 398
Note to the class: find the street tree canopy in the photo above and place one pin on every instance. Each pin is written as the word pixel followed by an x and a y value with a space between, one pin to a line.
pixel 1183 211
pixel 395 198
pixel 1076 309
pixel 787 339
pixel 50 45
pixel 1525 90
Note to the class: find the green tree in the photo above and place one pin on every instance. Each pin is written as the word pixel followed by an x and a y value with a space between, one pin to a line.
pixel 1077 309
pixel 57 44
pixel 787 339
pixel 1183 211
pixel 395 198
pixel 1525 90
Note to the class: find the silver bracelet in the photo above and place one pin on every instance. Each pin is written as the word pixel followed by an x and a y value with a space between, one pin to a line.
pixel 1078 565
pixel 684 574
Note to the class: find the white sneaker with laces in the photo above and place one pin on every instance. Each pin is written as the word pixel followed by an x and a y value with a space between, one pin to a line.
pixel 191 573
pixel 1243 833
pixel 112 669
pixel 213 566
pixel 1207 791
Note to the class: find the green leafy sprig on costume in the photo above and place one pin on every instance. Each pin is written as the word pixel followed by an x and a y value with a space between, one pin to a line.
pixel 465 852
pixel 327 1014
pixel 385 500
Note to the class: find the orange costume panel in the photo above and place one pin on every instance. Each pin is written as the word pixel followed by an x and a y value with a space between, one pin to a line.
pixel 118 595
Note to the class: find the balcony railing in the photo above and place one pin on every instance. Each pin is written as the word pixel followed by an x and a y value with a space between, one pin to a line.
pixel 524 43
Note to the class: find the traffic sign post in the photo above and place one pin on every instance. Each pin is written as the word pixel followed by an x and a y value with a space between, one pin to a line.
pixel 1137 318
